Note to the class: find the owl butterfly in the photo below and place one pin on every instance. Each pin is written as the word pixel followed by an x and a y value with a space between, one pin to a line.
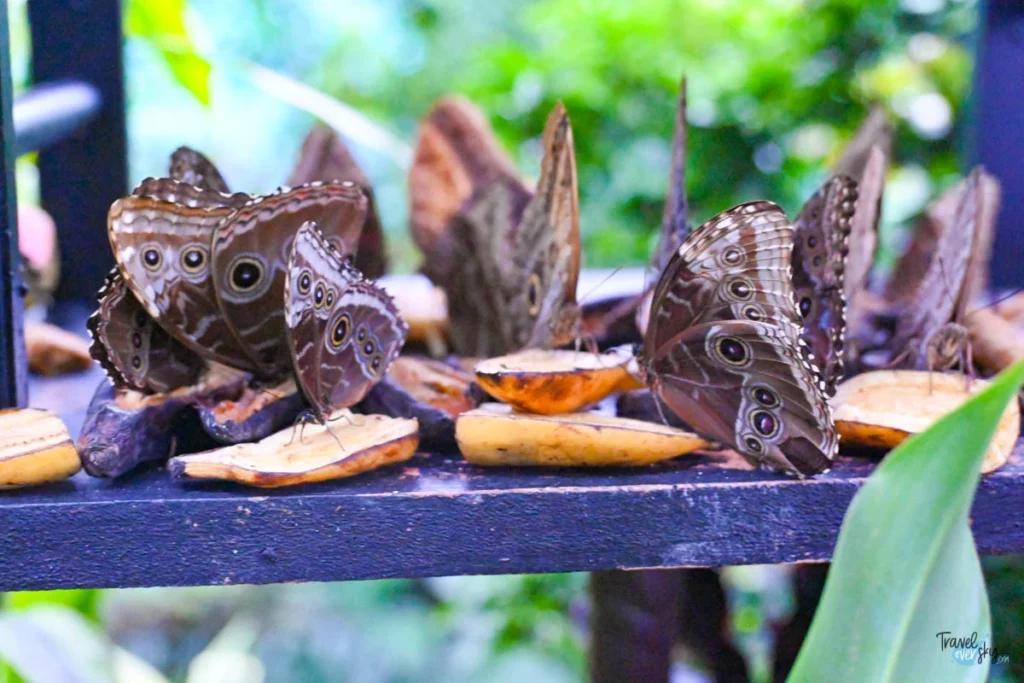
pixel 129 345
pixel 723 347
pixel 821 245
pixel 930 332
pixel 343 331
pixel 507 258
pixel 865 160
pixel 324 157
pixel 210 267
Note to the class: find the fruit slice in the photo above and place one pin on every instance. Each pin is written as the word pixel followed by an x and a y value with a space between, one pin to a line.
pixel 35 448
pixel 424 308
pixel 307 453
pixel 431 391
pixel 882 408
pixel 495 434
pixel 256 413
pixel 553 382
pixel 54 351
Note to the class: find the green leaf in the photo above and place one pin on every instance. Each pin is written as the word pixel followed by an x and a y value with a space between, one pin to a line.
pixel 161 23
pixel 905 567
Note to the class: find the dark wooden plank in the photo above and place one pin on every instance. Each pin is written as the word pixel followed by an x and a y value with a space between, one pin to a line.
pixel 439 516
pixel 998 135
pixel 12 345
pixel 80 177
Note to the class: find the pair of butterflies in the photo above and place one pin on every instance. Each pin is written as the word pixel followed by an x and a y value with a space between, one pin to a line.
pixel 730 343
pixel 263 284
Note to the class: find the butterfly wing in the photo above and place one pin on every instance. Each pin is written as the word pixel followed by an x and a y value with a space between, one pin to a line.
pixel 160 236
pixel 940 297
pixel 343 331
pixel 723 344
pixel 540 289
pixel 191 167
pixel 324 157
pixel 250 258
pixel 820 248
pixel 134 351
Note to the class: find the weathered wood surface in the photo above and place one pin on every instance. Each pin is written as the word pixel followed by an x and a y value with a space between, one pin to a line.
pixel 439 516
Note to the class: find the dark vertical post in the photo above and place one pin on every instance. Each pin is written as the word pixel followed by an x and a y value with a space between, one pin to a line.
pixel 80 177
pixel 998 136
pixel 13 365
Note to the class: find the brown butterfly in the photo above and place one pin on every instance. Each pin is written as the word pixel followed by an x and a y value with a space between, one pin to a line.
pixel 343 331
pixel 723 347
pixel 210 267
pixel 134 351
pixel 129 345
pixel 325 157
pixel 930 333
pixel 821 246
pixel 508 259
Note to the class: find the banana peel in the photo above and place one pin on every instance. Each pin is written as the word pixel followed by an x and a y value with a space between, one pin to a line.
pixel 304 454
pixel 496 435
pixel 53 351
pixel 35 448
pixel 553 382
pixel 880 409
pixel 424 308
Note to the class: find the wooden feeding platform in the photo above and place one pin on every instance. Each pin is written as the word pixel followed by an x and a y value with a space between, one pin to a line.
pixel 438 515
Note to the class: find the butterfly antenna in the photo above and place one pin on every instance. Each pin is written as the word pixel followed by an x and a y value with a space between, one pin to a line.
pixel 998 301
pixel 945 280
pixel 601 283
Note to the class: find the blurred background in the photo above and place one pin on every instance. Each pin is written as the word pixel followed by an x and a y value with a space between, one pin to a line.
pixel 775 88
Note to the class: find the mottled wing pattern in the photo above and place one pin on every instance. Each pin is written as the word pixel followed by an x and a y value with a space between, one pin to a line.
pixel 940 298
pixel 343 331
pixel 191 167
pixel 161 238
pixel 723 345
pixel 325 158
pixel 250 255
pixel 820 248
pixel 540 289
pixel 134 351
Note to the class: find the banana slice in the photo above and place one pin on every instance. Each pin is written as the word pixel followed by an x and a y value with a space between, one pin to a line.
pixel 307 453
pixel 882 408
pixel 495 434
pixel 553 382
pixel 35 448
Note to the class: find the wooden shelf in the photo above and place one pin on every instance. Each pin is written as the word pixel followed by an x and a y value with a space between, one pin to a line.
pixel 439 516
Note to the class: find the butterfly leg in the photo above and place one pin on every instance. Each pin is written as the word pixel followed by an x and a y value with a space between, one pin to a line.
pixel 300 425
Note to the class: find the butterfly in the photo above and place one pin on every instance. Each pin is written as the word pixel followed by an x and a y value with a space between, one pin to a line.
pixel 134 351
pixel 723 346
pixel 930 332
pixel 343 331
pixel 821 236
pixel 210 267
pixel 507 257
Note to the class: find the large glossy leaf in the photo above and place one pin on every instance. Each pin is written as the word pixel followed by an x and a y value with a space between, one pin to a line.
pixel 905 567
